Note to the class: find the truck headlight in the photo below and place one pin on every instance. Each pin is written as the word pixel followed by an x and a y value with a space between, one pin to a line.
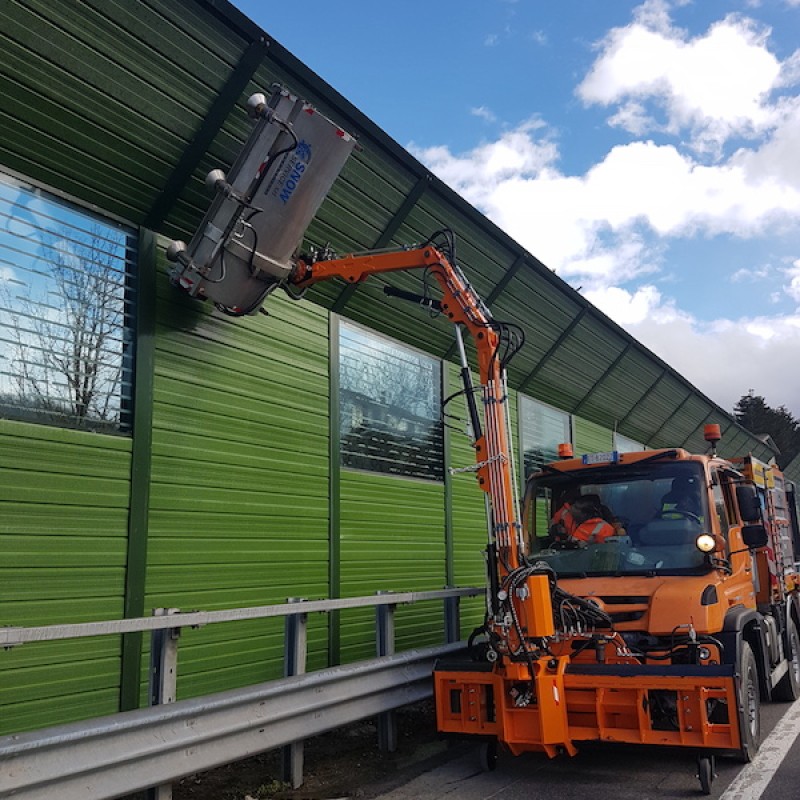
pixel 706 543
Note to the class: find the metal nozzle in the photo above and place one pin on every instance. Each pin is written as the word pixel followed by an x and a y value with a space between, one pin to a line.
pixel 216 179
pixel 256 103
pixel 175 250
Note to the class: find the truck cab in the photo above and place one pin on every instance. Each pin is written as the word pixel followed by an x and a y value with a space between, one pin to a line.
pixel 696 560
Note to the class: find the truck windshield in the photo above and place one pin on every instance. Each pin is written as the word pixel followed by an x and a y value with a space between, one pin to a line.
pixel 635 519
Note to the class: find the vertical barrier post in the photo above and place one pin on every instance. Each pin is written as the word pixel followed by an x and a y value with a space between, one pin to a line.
pixel 294 663
pixel 163 679
pixel 384 645
pixel 452 621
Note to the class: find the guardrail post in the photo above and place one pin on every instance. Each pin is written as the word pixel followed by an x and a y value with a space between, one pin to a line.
pixel 163 679
pixel 295 653
pixel 452 620
pixel 384 645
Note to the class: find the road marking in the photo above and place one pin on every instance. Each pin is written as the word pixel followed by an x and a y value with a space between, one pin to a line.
pixel 751 782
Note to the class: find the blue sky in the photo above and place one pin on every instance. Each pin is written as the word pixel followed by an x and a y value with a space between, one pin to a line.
pixel 645 151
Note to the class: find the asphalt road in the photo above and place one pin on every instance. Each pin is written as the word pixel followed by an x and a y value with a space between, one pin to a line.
pixel 621 772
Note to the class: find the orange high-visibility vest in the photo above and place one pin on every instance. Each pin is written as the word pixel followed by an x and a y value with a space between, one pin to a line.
pixel 593 531
pixel 564 517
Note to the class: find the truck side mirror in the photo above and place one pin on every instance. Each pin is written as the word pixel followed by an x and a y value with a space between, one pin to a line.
pixel 755 536
pixel 749 506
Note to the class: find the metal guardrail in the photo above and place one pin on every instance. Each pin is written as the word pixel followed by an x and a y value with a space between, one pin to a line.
pixel 116 755
pixel 113 756
pixel 12 636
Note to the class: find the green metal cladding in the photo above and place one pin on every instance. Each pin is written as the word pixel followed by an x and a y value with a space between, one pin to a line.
pixel 590 437
pixel 239 485
pixel 64 500
pixel 229 492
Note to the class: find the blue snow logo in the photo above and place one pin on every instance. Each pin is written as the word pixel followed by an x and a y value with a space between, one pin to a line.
pixel 302 155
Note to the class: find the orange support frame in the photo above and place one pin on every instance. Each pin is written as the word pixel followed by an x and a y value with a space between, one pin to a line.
pixel 572 707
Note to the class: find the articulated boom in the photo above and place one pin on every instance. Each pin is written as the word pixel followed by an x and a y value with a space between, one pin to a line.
pixel 462 306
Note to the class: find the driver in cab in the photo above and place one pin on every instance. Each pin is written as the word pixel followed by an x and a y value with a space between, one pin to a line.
pixel 682 500
pixel 582 522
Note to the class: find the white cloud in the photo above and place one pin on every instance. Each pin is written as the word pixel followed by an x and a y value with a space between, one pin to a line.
pixel 676 195
pixel 482 112
pixel 632 116
pixel 572 221
pixel 477 173
pixel 628 308
pixel 793 275
pixel 776 159
pixel 714 86
pixel 751 274
pixel 539 37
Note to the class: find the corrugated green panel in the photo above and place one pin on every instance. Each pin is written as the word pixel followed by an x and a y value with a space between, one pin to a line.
pixel 543 311
pixel 93 701
pixel 101 101
pixel 735 443
pixel 694 441
pixel 239 494
pixel 103 98
pixel 485 255
pixel 560 382
pixel 573 370
pixel 615 399
pixel 583 359
pixel 392 538
pixel 657 405
pixel 792 470
pixel 206 663
pixel 63 529
pixel 739 442
pixel 596 342
pixel 682 423
pixel 481 258
pixel 763 452
pixel 591 437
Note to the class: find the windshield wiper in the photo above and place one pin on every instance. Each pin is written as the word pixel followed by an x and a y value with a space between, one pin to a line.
pixel 659 456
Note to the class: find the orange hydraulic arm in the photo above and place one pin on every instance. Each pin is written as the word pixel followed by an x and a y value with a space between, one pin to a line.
pixel 461 304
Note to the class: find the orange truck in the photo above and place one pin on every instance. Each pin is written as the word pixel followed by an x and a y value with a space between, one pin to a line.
pixel 614 610
pixel 694 579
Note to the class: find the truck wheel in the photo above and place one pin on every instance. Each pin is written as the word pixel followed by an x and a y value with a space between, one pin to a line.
pixel 487 755
pixel 749 705
pixel 706 772
pixel 788 688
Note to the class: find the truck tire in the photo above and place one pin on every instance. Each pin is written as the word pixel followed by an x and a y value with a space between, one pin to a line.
pixel 749 704
pixel 788 688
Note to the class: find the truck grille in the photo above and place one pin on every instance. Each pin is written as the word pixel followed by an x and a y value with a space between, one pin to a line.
pixel 625 608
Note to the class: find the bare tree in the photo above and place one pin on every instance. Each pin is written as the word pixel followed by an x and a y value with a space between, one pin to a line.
pixel 67 336
pixel 390 414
